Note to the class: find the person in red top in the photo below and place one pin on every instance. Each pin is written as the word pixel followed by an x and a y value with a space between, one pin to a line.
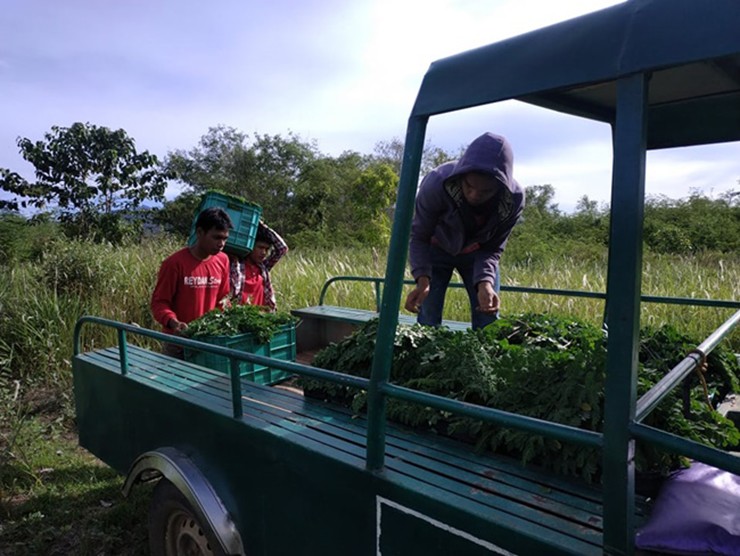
pixel 250 276
pixel 195 279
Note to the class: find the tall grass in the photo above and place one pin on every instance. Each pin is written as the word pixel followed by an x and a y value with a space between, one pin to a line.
pixel 40 302
pixel 300 276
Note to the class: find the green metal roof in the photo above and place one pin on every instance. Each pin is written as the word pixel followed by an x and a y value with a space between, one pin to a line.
pixel 690 47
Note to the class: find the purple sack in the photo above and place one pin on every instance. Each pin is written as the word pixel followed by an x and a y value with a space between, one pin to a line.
pixel 696 512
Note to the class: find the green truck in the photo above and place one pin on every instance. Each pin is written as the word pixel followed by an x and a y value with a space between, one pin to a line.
pixel 246 468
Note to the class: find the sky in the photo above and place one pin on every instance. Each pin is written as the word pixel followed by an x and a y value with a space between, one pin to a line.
pixel 342 74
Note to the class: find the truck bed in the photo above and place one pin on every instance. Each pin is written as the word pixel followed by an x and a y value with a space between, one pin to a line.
pixel 492 501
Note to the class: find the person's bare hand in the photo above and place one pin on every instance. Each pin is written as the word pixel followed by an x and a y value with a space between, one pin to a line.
pixel 488 300
pixel 417 296
pixel 177 326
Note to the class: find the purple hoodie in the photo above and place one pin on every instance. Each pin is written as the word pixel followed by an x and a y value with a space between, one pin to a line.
pixel 439 217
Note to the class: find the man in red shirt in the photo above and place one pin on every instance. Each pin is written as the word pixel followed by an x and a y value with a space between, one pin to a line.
pixel 195 279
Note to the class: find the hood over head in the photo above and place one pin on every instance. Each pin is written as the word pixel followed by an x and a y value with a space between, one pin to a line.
pixel 488 154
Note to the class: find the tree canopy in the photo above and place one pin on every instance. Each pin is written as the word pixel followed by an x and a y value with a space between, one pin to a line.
pixel 93 180
pixel 302 192
pixel 87 174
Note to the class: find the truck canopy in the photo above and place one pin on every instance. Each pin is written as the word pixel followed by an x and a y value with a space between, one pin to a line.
pixel 689 47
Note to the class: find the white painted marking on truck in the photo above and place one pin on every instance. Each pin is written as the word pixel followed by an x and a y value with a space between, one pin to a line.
pixel 379 501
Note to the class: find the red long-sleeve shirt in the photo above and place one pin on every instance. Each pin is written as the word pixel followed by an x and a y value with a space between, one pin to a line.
pixel 188 287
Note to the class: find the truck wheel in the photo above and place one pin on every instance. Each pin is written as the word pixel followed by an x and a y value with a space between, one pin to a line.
pixel 174 530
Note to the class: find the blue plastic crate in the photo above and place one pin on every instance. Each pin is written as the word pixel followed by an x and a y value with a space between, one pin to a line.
pixel 282 346
pixel 244 216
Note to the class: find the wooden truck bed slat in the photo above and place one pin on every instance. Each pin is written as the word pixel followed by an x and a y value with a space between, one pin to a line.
pixel 437 447
pixel 359 316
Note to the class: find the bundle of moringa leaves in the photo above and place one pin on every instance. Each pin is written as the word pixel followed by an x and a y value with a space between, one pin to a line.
pixel 239 319
pixel 539 365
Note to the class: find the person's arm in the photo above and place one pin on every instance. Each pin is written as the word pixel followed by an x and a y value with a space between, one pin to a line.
pixel 417 296
pixel 236 277
pixel 487 257
pixel 428 208
pixel 427 211
pixel 485 267
pixel 163 298
pixel 488 300
pixel 279 247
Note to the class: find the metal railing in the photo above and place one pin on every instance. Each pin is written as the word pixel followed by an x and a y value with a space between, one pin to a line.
pixel 490 415
pixel 234 356
pixel 555 430
pixel 379 281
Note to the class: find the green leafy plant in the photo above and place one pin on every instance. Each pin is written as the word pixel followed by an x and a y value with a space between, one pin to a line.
pixel 543 366
pixel 239 319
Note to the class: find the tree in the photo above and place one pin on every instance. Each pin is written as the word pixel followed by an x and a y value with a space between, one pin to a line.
pixel 391 153
pixel 373 195
pixel 540 203
pixel 589 224
pixel 322 200
pixel 696 223
pixel 89 174
pixel 343 200
pixel 214 163
pixel 587 207
pixel 268 170
pixel 176 216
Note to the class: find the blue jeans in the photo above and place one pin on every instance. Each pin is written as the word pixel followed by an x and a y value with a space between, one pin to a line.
pixel 443 264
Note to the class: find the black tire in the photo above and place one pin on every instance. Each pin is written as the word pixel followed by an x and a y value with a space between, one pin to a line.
pixel 174 529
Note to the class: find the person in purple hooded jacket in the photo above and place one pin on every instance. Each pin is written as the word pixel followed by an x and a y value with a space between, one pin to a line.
pixel 465 211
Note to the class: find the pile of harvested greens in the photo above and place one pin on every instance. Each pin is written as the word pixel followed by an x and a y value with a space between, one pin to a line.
pixel 239 319
pixel 542 366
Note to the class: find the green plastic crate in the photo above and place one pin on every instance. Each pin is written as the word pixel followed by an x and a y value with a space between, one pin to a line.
pixel 244 216
pixel 282 346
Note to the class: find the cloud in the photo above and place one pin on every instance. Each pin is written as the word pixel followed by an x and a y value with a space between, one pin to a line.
pixel 344 74
pixel 709 169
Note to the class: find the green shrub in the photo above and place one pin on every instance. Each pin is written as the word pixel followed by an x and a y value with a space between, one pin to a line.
pixel 36 335
pixel 78 268
pixel 668 238
pixel 24 240
pixel 41 302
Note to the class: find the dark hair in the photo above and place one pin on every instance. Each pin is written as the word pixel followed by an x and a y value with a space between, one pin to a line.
pixel 213 217
pixel 262 236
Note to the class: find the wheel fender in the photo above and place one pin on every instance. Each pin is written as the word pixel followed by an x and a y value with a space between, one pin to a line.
pixel 181 471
